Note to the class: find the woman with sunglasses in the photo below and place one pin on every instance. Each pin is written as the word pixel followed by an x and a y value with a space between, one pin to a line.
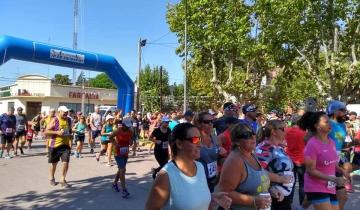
pixel 210 150
pixel 274 159
pixel 181 183
pixel 242 175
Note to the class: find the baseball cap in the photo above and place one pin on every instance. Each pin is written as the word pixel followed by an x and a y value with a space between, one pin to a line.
pixel 63 109
pixel 353 113
pixel 229 106
pixel 334 106
pixel 274 111
pixel 165 119
pixel 19 108
pixel 127 122
pixel 108 117
pixel 79 113
pixel 189 113
pixel 52 110
pixel 249 108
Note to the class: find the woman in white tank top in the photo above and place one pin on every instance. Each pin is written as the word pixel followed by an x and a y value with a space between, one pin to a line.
pixel 181 184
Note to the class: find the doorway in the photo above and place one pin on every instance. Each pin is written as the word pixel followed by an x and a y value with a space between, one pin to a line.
pixel 32 109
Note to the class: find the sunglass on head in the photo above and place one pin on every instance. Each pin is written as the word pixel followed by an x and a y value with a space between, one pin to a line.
pixel 207 121
pixel 246 135
pixel 194 139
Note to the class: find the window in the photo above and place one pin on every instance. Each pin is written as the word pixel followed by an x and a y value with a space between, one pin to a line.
pixel 89 108
pixel 11 104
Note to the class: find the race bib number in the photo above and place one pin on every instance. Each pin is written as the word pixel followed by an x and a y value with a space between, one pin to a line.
pixel 165 145
pixel 21 127
pixel 8 130
pixel 120 125
pixel 348 139
pixel 212 169
pixel 124 150
pixel 331 185
pixel 135 125
pixel 107 138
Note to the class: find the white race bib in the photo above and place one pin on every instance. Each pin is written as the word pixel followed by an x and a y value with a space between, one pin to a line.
pixel 107 138
pixel 21 127
pixel 165 144
pixel 135 125
pixel 124 150
pixel 66 131
pixel 212 169
pixel 8 130
pixel 348 139
pixel 331 185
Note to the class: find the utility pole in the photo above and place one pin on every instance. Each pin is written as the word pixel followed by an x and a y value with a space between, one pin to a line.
pixel 141 44
pixel 161 88
pixel 75 34
pixel 186 53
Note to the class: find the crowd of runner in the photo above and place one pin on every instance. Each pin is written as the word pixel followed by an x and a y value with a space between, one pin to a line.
pixel 238 158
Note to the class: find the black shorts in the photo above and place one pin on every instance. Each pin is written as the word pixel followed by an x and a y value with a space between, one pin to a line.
pixel 105 142
pixel 95 134
pixel 6 139
pixel 37 128
pixel 20 133
pixel 318 197
pixel 80 138
pixel 62 152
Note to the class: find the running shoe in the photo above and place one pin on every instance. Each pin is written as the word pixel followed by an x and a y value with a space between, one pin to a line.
pixel 91 151
pixel 125 193
pixel 21 151
pixel 65 184
pixel 115 187
pixel 1 154
pixel 97 156
pixel 108 165
pixel 52 182
pixel 77 155
pixel 80 156
pixel 8 156
pixel 15 154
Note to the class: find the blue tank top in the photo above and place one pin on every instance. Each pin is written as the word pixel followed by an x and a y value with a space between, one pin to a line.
pixel 256 182
pixel 187 193
pixel 108 129
pixel 338 134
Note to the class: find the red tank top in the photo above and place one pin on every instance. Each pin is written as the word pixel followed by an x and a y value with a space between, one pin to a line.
pixel 123 139
pixel 227 143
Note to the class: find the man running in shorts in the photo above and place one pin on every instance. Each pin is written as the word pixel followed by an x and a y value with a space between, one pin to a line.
pixel 59 144
pixel 45 123
pixel 7 131
pixel 21 128
pixel 95 125
pixel 121 145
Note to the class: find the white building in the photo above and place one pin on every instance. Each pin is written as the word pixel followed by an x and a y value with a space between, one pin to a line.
pixel 35 93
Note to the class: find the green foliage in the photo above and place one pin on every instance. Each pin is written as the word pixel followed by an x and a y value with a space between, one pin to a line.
pixel 304 48
pixel 81 79
pixel 102 81
pixel 61 79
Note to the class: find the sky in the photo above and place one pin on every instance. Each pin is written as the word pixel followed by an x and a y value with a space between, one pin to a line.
pixel 110 27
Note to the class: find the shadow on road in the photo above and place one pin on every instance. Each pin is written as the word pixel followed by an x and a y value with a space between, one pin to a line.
pixel 93 193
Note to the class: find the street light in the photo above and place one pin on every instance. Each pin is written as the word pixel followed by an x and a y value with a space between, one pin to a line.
pixel 141 44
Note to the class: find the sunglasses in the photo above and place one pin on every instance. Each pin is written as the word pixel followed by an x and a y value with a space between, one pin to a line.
pixel 281 128
pixel 195 140
pixel 246 135
pixel 207 121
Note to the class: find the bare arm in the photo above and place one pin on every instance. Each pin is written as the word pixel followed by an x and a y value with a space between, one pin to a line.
pixel 159 193
pixel 50 129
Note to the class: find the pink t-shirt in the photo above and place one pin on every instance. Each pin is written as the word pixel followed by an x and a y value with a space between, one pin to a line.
pixel 326 161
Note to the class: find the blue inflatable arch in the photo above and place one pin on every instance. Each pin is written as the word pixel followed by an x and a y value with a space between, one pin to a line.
pixel 26 50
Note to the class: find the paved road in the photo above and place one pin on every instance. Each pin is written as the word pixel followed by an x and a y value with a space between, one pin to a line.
pixel 24 184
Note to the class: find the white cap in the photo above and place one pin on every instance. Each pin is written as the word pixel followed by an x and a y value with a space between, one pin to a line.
pixel 52 110
pixel 63 109
pixel 108 117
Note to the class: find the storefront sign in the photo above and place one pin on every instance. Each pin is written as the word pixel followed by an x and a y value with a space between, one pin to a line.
pixel 24 92
pixel 87 95
pixel 67 56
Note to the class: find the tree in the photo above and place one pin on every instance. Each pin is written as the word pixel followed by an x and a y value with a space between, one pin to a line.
pixel 81 79
pixel 61 79
pixel 102 81
pixel 150 87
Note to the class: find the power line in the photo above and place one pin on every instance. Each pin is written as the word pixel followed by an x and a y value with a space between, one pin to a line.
pixel 161 37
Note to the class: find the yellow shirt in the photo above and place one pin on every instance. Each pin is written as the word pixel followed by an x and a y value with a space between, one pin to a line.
pixel 60 124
